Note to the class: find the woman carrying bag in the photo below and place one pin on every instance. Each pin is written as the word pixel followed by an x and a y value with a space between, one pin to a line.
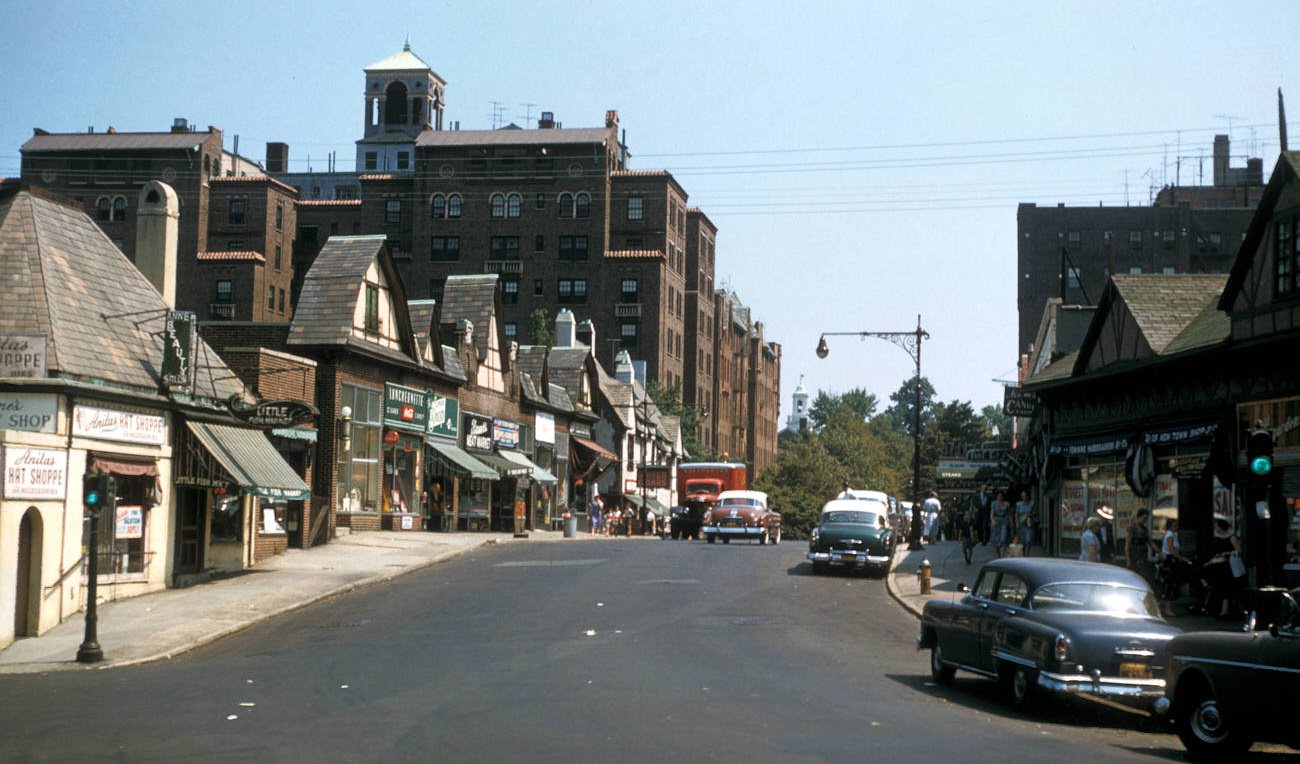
pixel 1225 572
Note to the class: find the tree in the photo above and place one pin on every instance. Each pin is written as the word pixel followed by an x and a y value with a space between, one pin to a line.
pixel 803 478
pixel 669 401
pixel 998 420
pixel 956 427
pixel 857 400
pixel 904 399
pixel 542 333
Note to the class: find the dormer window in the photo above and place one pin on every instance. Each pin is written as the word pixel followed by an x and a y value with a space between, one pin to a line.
pixel 1288 257
pixel 372 309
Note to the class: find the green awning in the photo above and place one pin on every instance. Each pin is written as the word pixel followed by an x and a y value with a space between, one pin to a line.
pixel 459 460
pixel 504 467
pixel 251 460
pixel 538 474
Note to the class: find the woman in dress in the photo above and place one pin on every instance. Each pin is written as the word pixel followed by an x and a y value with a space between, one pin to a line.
pixel 1000 513
pixel 1139 549
pixel 1025 521
pixel 1089 544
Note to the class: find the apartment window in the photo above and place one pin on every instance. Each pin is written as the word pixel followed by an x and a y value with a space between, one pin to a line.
pixel 393 211
pixel 279 217
pixel 627 331
pixel 540 201
pixel 453 205
pixel 635 208
pixel 539 243
pixel 438 206
pixel 582 205
pixel 1135 270
pixel 235 211
pixel 635 243
pixel 372 308
pixel 498 203
pixel 1072 237
pixel 372 160
pixel 436 287
pixel 1073 278
pixel 629 288
pixel 511 330
pixel 444 248
pixel 395 247
pixel 225 291
pixel 235 245
pixel 281 300
pixel 1135 239
pixel 510 291
pixel 505 247
pixel 278 257
pixel 1288 257
pixel 270 298
pixel 566 205
pixel 1168 237
pixel 573 247
pixel 345 192
pixel 539 287
pixel 514 205
pixel 403 160
pixel 572 290
pixel 119 209
pixel 1211 242
pixel 1168 270
pixel 104 209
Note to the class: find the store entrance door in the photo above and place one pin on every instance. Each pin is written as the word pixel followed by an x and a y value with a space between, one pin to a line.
pixel 189 532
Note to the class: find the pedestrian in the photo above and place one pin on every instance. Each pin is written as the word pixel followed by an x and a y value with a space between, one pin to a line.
pixel 932 509
pixel 1002 518
pixel 845 491
pixel 649 528
pixel 1139 550
pixel 982 503
pixel 629 515
pixel 1225 584
pixel 1089 544
pixel 1025 524
pixel 595 510
pixel 966 532
pixel 1106 533
pixel 1173 568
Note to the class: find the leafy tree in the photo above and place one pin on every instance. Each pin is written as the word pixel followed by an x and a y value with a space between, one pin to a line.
pixel 904 403
pixel 857 400
pixel 669 401
pixel 542 333
pixel 803 478
pixel 994 416
pixel 956 427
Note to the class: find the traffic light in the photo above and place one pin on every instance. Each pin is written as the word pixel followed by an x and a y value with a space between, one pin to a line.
pixel 1259 452
pixel 98 491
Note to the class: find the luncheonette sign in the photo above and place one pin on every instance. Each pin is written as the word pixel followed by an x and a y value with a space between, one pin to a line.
pixel 35 473
pixel 123 426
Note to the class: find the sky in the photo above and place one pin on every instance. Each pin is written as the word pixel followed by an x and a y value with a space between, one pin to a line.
pixel 863 161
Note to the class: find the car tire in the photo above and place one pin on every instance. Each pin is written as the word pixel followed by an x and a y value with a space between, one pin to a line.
pixel 1022 684
pixel 939 671
pixel 762 539
pixel 712 537
pixel 726 539
pixel 1206 735
pixel 776 538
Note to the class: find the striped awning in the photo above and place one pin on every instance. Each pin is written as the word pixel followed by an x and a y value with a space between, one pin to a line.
pixel 251 460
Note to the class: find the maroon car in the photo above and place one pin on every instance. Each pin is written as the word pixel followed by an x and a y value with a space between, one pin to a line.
pixel 742 514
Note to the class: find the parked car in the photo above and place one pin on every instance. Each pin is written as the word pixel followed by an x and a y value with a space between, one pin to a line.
pixel 852 534
pixel 1225 690
pixel 742 514
pixel 1061 626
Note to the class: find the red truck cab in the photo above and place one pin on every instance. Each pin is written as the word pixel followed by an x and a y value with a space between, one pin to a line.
pixel 698 486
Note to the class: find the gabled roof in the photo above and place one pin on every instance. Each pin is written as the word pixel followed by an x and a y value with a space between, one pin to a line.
pixel 567 366
pixel 1285 172
pixel 103 320
pixel 424 323
pixel 332 288
pixel 472 297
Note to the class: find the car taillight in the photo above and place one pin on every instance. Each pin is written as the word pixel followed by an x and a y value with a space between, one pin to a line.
pixel 1062 648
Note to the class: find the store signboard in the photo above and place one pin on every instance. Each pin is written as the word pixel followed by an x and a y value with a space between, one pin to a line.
pixel 478 432
pixel 405 407
pixel 122 426
pixel 22 355
pixel 35 473
pixel 129 522
pixel 28 412
pixel 444 416
pixel 1017 401
pixel 505 433
pixel 180 342
pixel 544 428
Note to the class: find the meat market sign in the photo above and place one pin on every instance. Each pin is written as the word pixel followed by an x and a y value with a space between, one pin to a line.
pixel 271 414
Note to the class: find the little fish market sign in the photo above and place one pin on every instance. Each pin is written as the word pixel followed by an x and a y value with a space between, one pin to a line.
pixel 271 414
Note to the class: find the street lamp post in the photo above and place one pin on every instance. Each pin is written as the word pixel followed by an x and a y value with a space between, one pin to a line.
pixel 910 342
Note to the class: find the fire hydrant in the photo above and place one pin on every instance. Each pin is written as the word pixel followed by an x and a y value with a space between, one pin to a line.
pixel 923 575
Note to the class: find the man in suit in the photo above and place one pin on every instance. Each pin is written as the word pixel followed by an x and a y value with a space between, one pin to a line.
pixel 1106 533
pixel 982 504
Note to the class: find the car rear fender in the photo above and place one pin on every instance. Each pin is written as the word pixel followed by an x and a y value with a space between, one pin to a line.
pixel 1025 641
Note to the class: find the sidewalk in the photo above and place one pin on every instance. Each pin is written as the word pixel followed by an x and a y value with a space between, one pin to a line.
pixel 948 568
pixel 164 624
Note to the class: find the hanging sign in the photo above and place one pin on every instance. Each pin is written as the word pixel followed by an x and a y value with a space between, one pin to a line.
pixel 271 414
pixel 1017 401
pixel 180 340
pixel 505 433
pixel 444 416
pixel 544 428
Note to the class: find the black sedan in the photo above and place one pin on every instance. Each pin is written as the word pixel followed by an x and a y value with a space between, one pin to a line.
pixel 1040 624
pixel 852 534
pixel 1228 689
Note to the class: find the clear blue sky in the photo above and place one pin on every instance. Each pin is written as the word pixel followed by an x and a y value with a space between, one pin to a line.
pixel 862 160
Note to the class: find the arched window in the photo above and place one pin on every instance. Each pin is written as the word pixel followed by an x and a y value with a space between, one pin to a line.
pixel 583 205
pixel 514 205
pixel 395 104
pixel 566 205
pixel 119 209
pixel 103 209
pixel 438 206
pixel 453 206
pixel 498 202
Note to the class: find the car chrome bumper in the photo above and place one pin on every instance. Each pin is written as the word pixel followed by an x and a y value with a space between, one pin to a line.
pixel 1106 686
pixel 848 558
pixel 729 530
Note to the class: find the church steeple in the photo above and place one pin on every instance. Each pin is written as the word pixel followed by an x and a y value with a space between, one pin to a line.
pixel 798 420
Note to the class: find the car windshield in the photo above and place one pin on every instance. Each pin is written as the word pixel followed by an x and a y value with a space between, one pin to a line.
pixel 734 503
pixel 858 517
pixel 1095 598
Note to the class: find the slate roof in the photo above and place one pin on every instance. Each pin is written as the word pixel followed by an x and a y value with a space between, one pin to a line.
pixel 472 297
pixel 330 292
pixel 1061 368
pixel 1164 304
pixel 423 314
pixel 115 141
pixel 566 367
pixel 451 364
pixel 1211 327
pixel 103 320
pixel 535 137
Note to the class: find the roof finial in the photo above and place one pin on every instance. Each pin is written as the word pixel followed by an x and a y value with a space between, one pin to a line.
pixel 407 46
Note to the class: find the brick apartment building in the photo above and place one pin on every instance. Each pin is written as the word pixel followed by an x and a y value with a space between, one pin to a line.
pixel 1071 252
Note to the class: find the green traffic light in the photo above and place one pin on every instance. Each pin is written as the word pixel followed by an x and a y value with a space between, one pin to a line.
pixel 1261 465
pixel 92 498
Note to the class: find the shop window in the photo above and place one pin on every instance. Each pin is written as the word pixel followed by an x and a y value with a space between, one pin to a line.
pixel 227 522
pixel 358 486
pixel 122 535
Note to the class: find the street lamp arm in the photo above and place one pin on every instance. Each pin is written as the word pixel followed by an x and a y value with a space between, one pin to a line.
pixel 910 342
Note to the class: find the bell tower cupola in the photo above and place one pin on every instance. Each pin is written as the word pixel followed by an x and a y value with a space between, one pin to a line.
pixel 403 95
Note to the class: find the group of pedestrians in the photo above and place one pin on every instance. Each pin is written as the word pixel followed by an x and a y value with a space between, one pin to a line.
pixel 988 518
pixel 618 519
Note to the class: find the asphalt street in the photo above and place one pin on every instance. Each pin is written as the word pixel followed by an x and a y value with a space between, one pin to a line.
pixel 625 651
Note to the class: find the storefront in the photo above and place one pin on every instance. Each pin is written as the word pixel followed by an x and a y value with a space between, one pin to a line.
pixel 490 505
pixel 452 477
pixel 588 462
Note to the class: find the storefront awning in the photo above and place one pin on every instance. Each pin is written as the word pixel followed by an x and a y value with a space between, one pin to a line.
pixel 504 467
pixel 538 474
pixel 461 461
pixel 251 460
pixel 634 499
pixel 594 447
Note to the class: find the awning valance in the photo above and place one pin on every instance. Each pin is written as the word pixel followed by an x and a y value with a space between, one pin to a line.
pixel 460 460
pixel 1107 444
pixel 124 467
pixel 538 474
pixel 251 460
pixel 504 467
pixel 594 447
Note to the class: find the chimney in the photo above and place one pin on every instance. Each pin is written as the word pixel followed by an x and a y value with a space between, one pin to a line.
pixel 1220 160
pixel 277 157
pixel 547 121
pixel 464 332
pixel 157 223
pixel 623 367
pixel 565 336
pixel 179 125
pixel 611 118
pixel 586 334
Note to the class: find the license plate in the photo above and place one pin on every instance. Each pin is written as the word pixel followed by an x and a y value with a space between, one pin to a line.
pixel 1134 671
